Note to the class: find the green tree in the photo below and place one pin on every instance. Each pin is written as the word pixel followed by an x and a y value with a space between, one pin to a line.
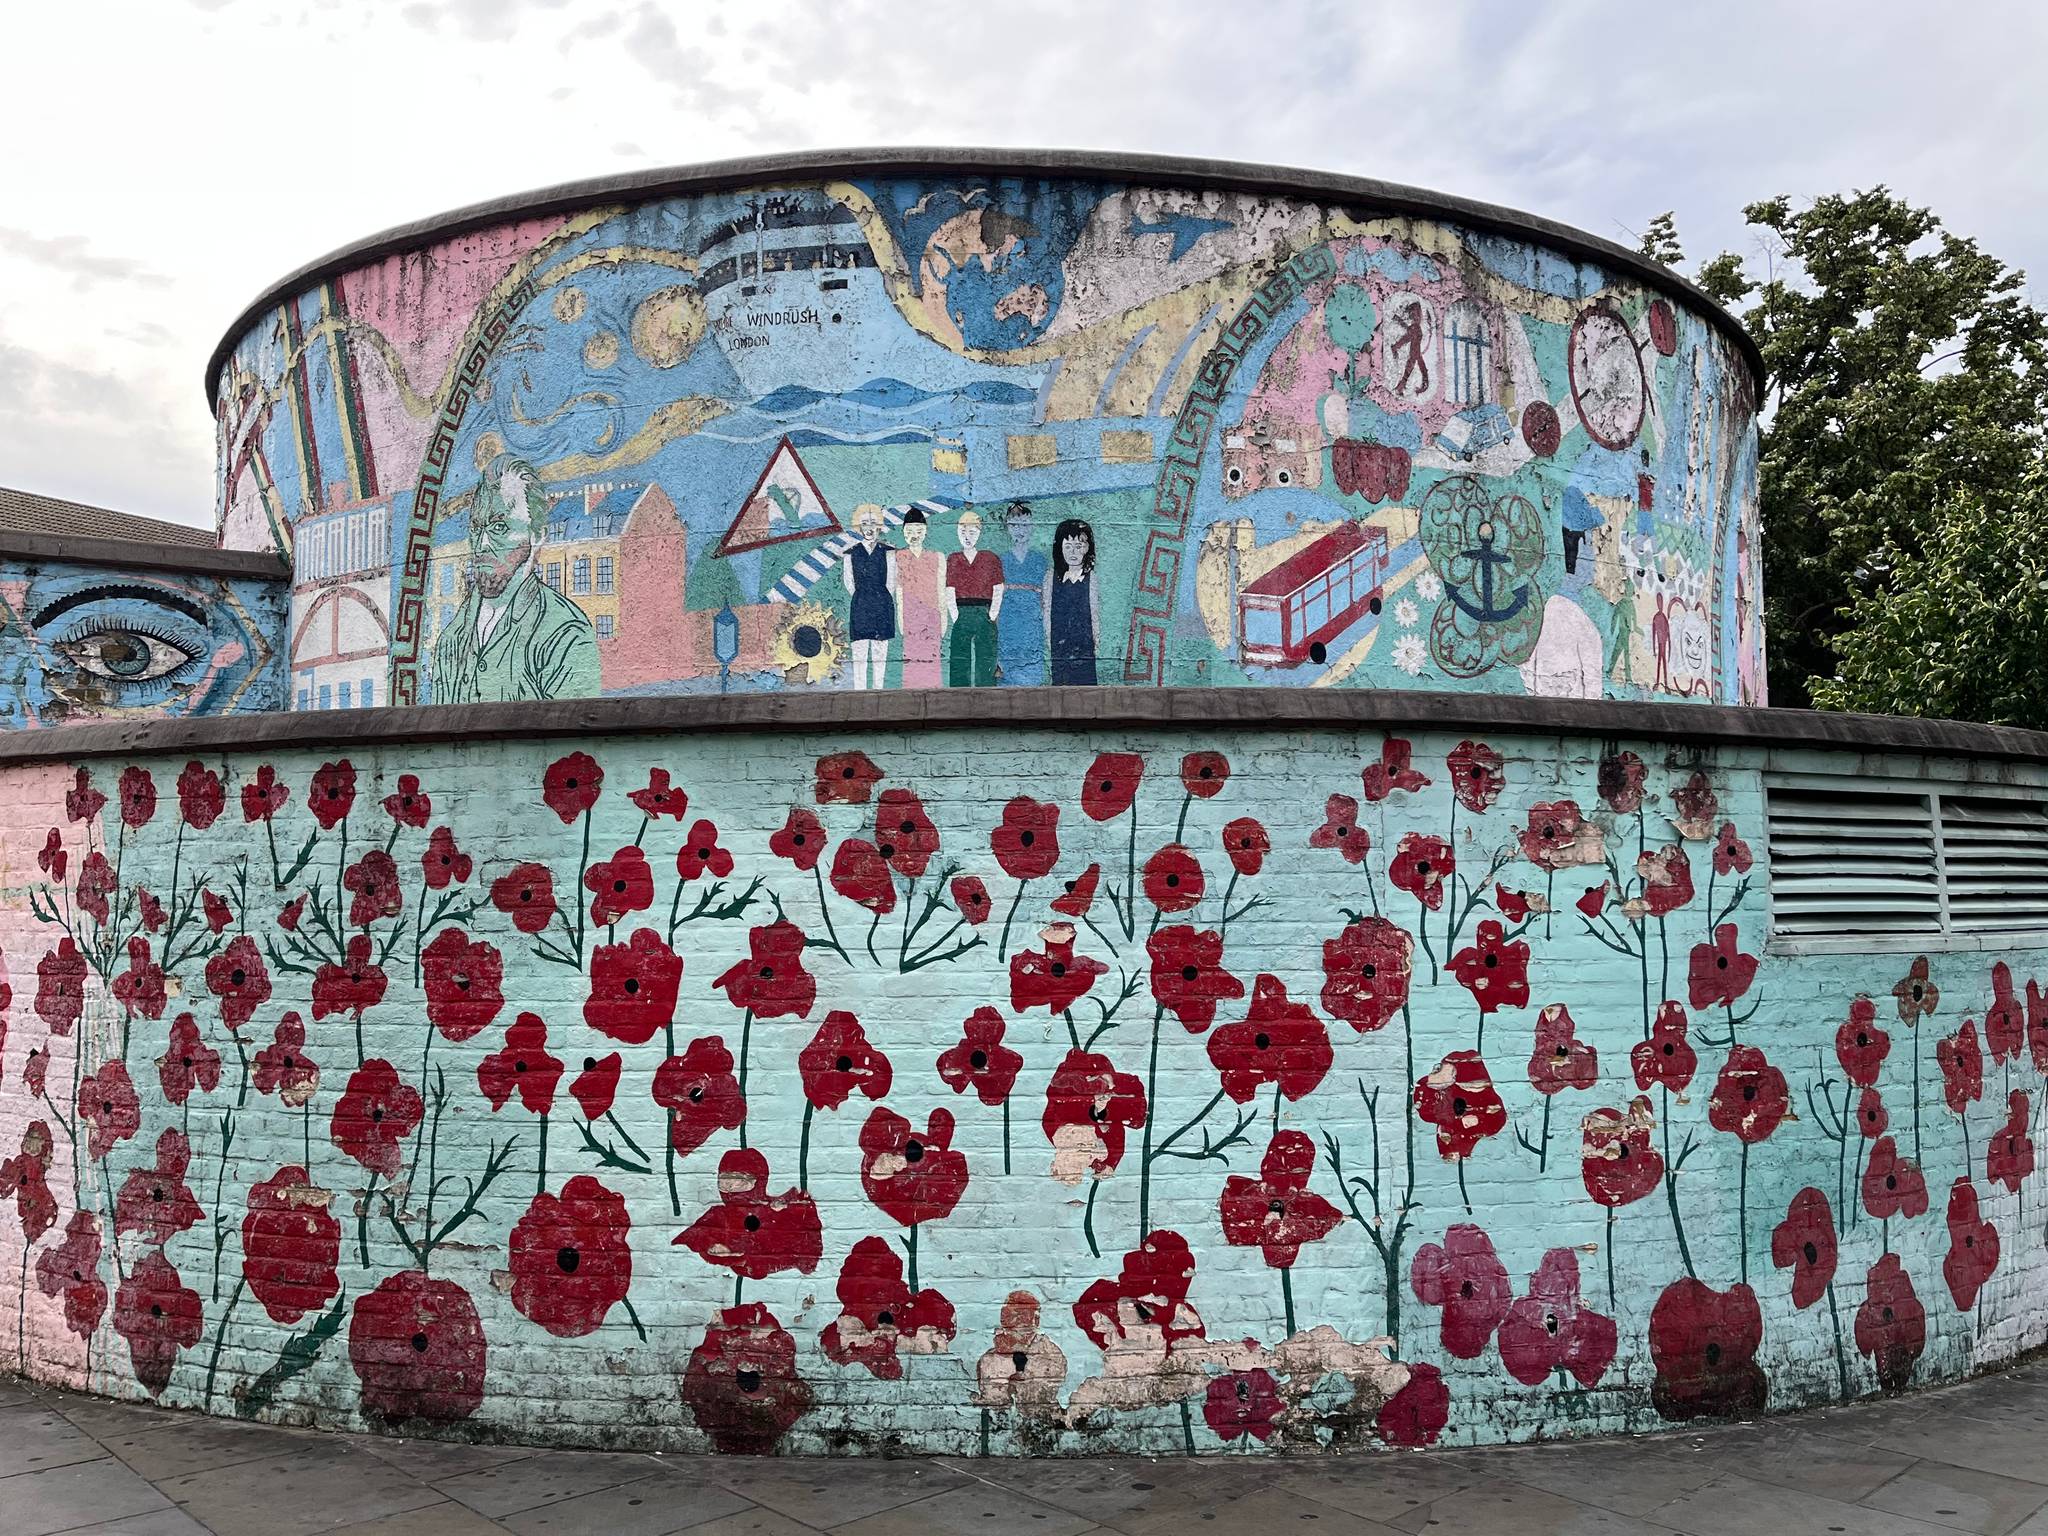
pixel 1907 376
pixel 1660 241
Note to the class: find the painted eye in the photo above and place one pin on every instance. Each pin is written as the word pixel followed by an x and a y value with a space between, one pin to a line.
pixel 124 655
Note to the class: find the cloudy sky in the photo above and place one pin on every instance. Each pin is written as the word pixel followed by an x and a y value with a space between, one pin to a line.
pixel 169 158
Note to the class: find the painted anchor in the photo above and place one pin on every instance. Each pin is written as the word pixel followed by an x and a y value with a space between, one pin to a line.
pixel 1486 557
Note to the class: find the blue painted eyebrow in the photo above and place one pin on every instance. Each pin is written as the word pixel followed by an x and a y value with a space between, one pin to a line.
pixel 155 595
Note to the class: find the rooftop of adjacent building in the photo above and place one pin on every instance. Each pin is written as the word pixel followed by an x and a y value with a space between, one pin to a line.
pixel 53 516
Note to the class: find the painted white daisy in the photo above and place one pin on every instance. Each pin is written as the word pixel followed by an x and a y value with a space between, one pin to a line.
pixel 1406 613
pixel 1429 586
pixel 1409 654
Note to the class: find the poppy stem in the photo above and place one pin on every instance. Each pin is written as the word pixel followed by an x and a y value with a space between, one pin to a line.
pixel 1088 1217
pixel 1151 1114
pixel 1003 948
pixel 1006 1133
pixel 1130 912
pixel 634 1318
pixel 363 1220
pixel 543 1174
pixel 825 911
pixel 1742 1211
pixel 739 1286
pixel 871 938
pixel 1287 1295
pixel 1543 1157
pixel 746 1038
pixel 1841 1356
pixel 984 1432
pixel 1916 1090
pixel 1073 1034
pixel 220 1237
pixel 306 1127
pixel 1462 1192
pixel 582 867
pixel 803 1151
pixel 913 1258
pixel 1549 899
pixel 219 1335
pixel 1671 1187
pixel 1610 1260
pixel 625 1135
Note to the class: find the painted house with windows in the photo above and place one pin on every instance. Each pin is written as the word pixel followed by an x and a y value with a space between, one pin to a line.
pixel 341 592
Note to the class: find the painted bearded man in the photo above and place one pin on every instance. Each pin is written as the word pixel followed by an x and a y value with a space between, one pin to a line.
pixel 514 636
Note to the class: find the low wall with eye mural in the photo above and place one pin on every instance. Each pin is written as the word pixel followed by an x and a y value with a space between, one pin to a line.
pixel 137 630
pixel 1060 1091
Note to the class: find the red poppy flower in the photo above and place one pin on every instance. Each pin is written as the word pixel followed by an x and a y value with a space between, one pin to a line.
pixel 1088 1107
pixel 1720 972
pixel 138 797
pixel 282 1067
pixel 1972 1246
pixel 597 1084
pixel 1026 842
pixel 333 793
pixel 1246 845
pixel 1466 1278
pixel 1561 1060
pixel 443 863
pixel 970 897
pixel 417 1347
pixel 107 1102
pixel 291 1245
pixel 1697 806
pixel 620 885
pixel 1188 978
pixel 1459 1099
pixel 905 837
pixel 1277 1211
pixel 700 1093
pixel 741 1384
pixel 878 1314
pixel 1750 1097
pixel 201 796
pixel 140 988
pixel 263 796
pixel 1666 874
pixel 153 915
pixel 25 1178
pixel 1366 971
pixel 60 987
pixel 526 894
pixel 374 880
pixel 95 885
pixel 188 1062
pixel 52 858
pixel 1559 837
pixel 2009 1159
pixel 1962 1067
pixel 1703 1344
pixel 1594 901
pixel 1616 1159
pixel 1173 880
pixel 159 1315
pixel 846 778
pixel 464 982
pixel 1149 1297
pixel 1416 1414
pixel 751 1232
pixel 2005 1029
pixel 1493 968
pixel 1053 978
pixel 1666 1059
pixel 570 786
pixel 1860 1045
pixel 1891 1325
pixel 374 1114
pixel 658 799
pixel 1871 1119
pixel 1079 894
pixel 1111 785
pixel 839 1060
pixel 571 1263
pixel 354 987
pixel 523 1066
pixel 1242 1403
pixel 980 1060
pixel 35 1072
pixel 910 1176
pixel 1277 1041
pixel 157 1201
pixel 1731 853
pixel 82 802
pixel 802 839
pixel 1420 867
pixel 218 916
pixel 701 855
pixel 1477 775
pixel 772 980
pixel 633 987
pixel 1393 771
pixel 1916 993
pixel 71 1269
pixel 1621 777
pixel 1804 1242
pixel 1340 830
pixel 1552 1329
pixel 410 806
pixel 1203 774
pixel 861 876
pixel 1892 1185
pixel 288 917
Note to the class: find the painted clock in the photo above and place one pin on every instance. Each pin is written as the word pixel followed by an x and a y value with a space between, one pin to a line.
pixel 1609 389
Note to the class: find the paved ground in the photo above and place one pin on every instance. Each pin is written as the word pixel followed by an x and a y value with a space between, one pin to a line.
pixel 1969 1458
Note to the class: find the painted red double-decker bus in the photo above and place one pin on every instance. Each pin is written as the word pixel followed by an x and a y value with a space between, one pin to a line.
pixel 1290 614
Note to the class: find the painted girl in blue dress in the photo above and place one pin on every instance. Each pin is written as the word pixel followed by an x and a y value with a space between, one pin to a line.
pixel 1072 616
pixel 1020 626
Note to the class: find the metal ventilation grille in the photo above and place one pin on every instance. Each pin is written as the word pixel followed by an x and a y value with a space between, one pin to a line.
pixel 1850 862
pixel 1995 860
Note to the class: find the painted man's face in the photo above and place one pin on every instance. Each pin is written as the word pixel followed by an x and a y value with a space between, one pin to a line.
pixel 1020 533
pixel 914 534
pixel 500 532
pixel 970 535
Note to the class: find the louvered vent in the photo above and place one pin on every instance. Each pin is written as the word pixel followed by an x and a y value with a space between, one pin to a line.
pixel 1848 862
pixel 1995 859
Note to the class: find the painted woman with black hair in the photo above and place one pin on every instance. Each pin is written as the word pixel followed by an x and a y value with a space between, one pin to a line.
pixel 1073 617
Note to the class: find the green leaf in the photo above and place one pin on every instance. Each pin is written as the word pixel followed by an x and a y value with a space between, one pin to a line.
pixel 302 1350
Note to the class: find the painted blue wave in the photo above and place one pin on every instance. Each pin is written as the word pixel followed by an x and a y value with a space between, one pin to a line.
pixel 891 395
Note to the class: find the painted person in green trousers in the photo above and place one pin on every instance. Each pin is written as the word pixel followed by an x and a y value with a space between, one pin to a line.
pixel 974 596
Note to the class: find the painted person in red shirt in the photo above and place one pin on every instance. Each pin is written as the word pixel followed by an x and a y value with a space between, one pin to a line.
pixel 974 596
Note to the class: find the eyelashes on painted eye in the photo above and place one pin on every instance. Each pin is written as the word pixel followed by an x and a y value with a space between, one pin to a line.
pixel 125 655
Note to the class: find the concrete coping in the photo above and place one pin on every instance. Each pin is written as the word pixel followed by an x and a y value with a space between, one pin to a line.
pixel 143 555
pixel 1194 710
pixel 632 187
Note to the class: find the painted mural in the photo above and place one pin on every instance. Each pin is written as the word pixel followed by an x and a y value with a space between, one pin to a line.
pixel 81 643
pixel 1052 1094
pixel 985 431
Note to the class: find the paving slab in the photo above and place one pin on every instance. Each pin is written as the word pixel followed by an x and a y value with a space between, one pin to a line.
pixel 822 1493
pixel 85 1493
pixel 1738 1506
pixel 327 1487
pixel 35 1439
pixel 978 1509
pixel 1982 1502
pixel 673 1499
pixel 546 1477
pixel 1502 1507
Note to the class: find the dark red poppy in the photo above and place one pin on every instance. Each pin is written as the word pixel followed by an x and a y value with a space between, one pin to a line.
pixel 71 1270
pixel 1621 777
pixel 283 1067
pixel 741 1384
pixel 526 894
pixel 1173 879
pixel 1871 1119
pixel 1203 774
pixel 374 1114
pixel 1416 1414
pixel 700 1093
pixel 1277 1211
pixel 1278 1041
pixel 571 1262
pixel 157 1201
pixel 60 987
pixel 1340 830
pixel 1111 785
pixel 1916 993
pixel 2009 1158
pixel 701 855
pixel 95 885
pixel 1594 901
pixel 291 1245
pixel 1561 1059
pixel 597 1084
pixel 659 798
pixel 980 1060
pixel 159 1315
pixel 1972 1246
pixel 263 796
pixel 1804 1242
pixel 1478 775
pixel 410 806
pixel 137 797
pixel 1860 1045
pixel 840 1060
pixel 443 863
pixel 51 858
pixel 140 988
pixel 1246 845
pixel 35 1072
pixel 333 793
pixel 1666 874
pixel 1558 836
pixel 288 917
pixel 1731 853
pixel 772 980
pixel 1459 1099
pixel 1703 1344
pixel 1393 771
pixel 1750 1098
pixel 905 837
pixel 464 983
pixel 1465 1277
pixel 1149 1296
pixel 751 1232
pixel 878 1314
pixel 846 778
pixel 1962 1067
pixel 152 911
pixel 619 886
pixel 1188 978
pixel 1088 1107
pixel 1366 972
pixel 107 1103
pixel 523 1067
pixel 1697 806
pixel 355 986
pixel 860 874
pixel 1666 1059
pixel 201 796
pixel 1241 1403
pixel 802 839
pixel 1616 1158
pixel 633 987
pixel 188 1062
pixel 218 916
pixel 1551 1328
pixel 417 1347
pixel 82 802
pixel 1026 842
pixel 25 1177
pixel 1892 1185
pixel 912 1176
pixel 1079 894
pixel 970 898
pixel 570 786
pixel 1493 968
pixel 374 880
pixel 1053 978
pixel 2005 1028
pixel 1420 866
pixel 1891 1325
pixel 1720 973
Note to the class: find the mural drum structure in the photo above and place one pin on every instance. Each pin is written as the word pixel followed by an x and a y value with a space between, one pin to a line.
pixel 1039 1028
